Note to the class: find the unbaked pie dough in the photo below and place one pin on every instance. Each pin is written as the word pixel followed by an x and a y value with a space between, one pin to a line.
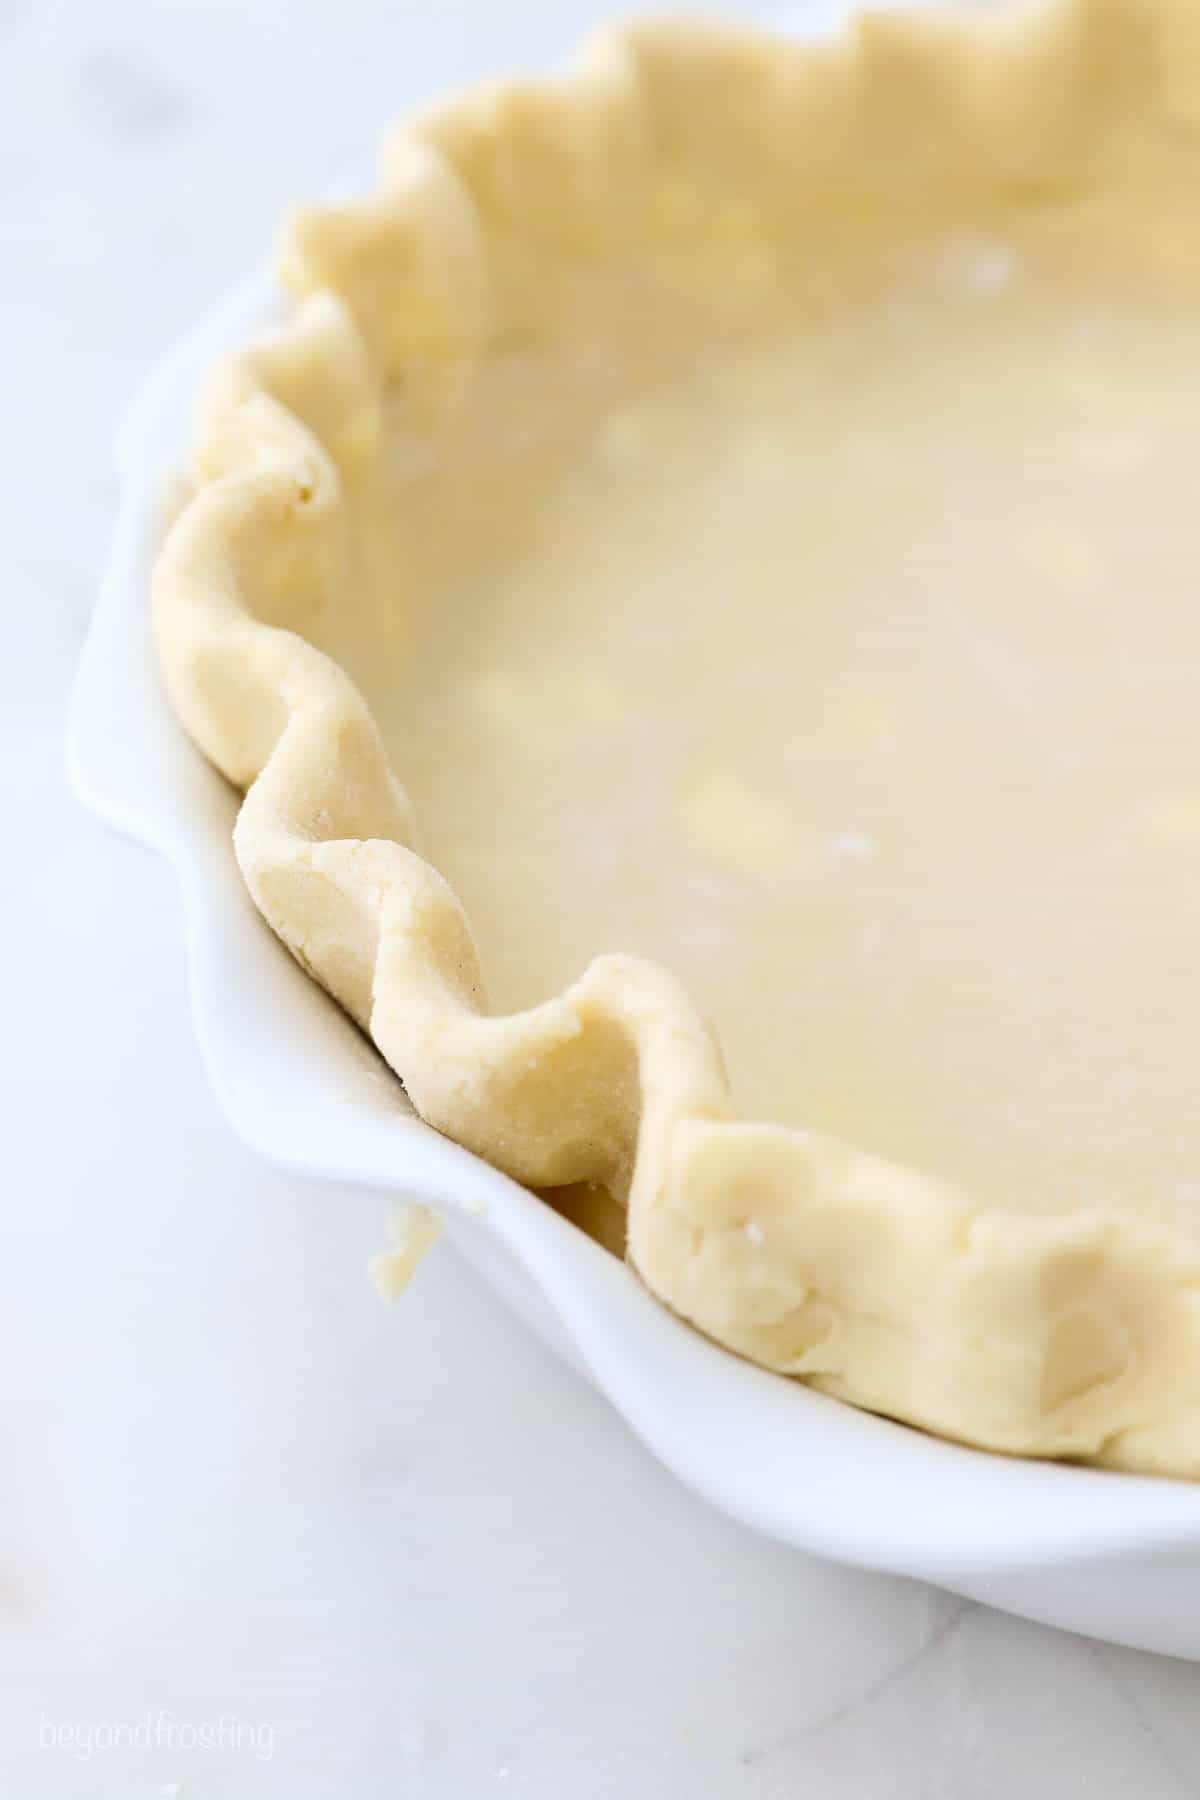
pixel 749 494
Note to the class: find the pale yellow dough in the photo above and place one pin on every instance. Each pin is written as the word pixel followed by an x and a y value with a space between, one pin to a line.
pixel 746 492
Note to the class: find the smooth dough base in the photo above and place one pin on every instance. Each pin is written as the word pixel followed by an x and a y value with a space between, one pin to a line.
pixel 798 651
pixel 751 488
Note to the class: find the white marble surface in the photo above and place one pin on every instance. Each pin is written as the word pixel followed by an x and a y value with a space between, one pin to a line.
pixel 403 1550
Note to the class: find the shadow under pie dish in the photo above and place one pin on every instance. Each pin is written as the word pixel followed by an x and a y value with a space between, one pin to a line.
pixel 741 490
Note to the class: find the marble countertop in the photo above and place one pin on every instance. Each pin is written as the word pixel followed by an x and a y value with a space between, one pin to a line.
pixel 359 1550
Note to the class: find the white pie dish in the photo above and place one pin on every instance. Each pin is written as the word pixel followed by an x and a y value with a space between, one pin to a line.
pixel 1103 1554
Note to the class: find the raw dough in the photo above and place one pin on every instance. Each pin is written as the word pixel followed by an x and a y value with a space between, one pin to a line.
pixel 751 488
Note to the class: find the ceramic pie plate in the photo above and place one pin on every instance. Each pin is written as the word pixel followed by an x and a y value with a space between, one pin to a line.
pixel 1111 1555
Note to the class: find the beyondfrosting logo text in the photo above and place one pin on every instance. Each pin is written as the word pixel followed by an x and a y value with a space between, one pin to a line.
pixel 85 1738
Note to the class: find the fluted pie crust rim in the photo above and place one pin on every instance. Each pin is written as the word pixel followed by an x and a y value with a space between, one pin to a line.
pixel 1071 1336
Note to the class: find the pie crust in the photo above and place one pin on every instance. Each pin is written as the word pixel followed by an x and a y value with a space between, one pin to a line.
pixel 680 190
